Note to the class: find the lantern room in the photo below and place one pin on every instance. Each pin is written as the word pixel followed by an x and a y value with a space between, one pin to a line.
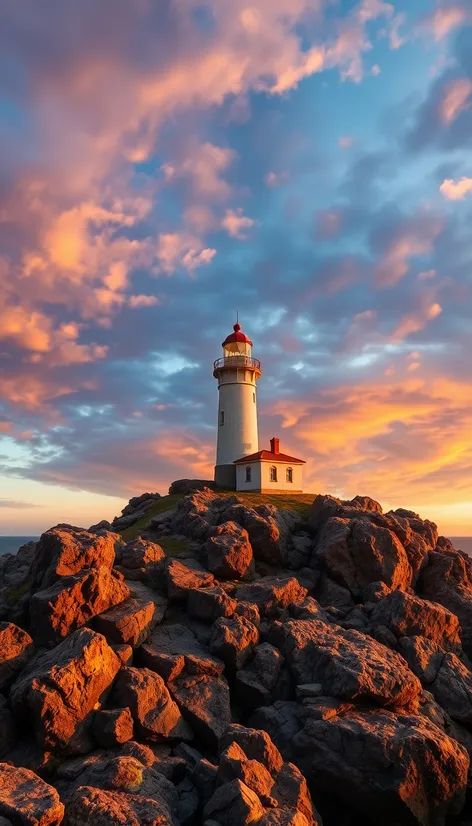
pixel 237 344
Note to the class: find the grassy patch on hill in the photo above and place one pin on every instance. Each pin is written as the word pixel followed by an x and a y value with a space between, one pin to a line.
pixel 301 503
pixel 161 505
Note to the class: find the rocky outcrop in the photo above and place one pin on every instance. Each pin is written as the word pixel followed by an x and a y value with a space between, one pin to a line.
pixel 410 772
pixel 25 798
pixel 59 690
pixel 136 508
pixel 229 553
pixel 65 550
pixel 74 600
pixel 155 714
pixel 277 658
pixel 16 648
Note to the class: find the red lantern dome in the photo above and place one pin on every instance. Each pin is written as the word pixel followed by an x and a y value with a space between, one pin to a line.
pixel 237 337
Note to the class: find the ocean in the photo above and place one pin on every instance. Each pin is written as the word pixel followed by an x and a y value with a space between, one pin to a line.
pixel 10 544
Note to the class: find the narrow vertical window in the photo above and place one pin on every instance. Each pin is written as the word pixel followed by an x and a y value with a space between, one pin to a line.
pixel 254 397
pixel 222 417
pixel 248 474
pixel 289 474
pixel 273 474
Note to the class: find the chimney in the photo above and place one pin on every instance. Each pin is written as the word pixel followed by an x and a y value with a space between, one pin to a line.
pixel 274 445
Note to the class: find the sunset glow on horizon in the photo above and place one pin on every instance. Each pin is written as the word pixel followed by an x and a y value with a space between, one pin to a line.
pixel 164 165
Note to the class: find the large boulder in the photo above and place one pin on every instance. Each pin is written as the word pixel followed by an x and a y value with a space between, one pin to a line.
pixel 407 616
pixel 27 800
pixel 131 622
pixel 233 804
pixel 416 536
pixel 112 808
pixel 356 552
pixel 229 552
pixel 344 664
pixel 210 603
pixel 272 592
pixel 16 648
pixel 59 690
pixel 258 682
pixel 140 553
pixel 155 714
pixel 183 576
pixel 174 650
pixel 233 640
pixel 185 486
pixel 447 579
pixel 256 744
pixel 66 550
pixel 389 768
pixel 205 703
pixel 113 727
pixel 72 601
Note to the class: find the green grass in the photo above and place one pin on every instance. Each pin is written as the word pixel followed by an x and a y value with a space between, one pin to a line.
pixel 163 504
pixel 300 503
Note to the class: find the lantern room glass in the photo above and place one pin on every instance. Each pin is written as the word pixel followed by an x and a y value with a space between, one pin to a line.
pixel 237 348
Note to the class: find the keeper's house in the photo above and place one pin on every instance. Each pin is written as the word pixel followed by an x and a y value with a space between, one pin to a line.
pixel 270 471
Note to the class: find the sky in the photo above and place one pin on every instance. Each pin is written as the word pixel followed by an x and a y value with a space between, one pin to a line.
pixel 165 163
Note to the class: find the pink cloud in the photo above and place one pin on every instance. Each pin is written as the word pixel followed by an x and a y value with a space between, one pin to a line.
pixel 455 99
pixel 444 19
pixel 456 190
pixel 181 249
pixel 236 223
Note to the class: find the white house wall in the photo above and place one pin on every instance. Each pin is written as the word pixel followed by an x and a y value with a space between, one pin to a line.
pixel 260 477
pixel 255 483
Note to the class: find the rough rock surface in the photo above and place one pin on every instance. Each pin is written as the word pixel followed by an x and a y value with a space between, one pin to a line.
pixel 344 664
pixel 58 691
pixel 72 601
pixel 26 799
pixel 65 550
pixel 155 714
pixel 278 656
pixel 229 552
pixel 131 622
pixel 409 772
pixel 16 648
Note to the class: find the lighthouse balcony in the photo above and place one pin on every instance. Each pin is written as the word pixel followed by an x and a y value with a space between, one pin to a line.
pixel 237 362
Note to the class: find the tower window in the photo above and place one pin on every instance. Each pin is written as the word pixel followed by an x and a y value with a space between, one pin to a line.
pixel 273 474
pixel 222 417
pixel 248 474
pixel 289 474
pixel 254 397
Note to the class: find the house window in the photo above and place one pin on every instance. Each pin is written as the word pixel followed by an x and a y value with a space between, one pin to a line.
pixel 289 474
pixel 248 474
pixel 273 474
pixel 222 417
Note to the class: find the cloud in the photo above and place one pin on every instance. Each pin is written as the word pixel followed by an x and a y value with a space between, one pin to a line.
pixel 143 301
pixel 455 99
pixel 456 190
pixel 17 504
pixel 445 18
pixel 182 249
pixel 410 238
pixel 236 223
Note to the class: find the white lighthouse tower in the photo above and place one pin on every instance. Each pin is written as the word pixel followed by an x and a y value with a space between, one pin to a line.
pixel 237 373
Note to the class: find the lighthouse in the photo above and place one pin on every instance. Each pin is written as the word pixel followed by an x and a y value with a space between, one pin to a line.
pixel 237 435
pixel 240 465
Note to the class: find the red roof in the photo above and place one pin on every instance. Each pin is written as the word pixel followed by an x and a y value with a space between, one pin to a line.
pixel 237 336
pixel 268 456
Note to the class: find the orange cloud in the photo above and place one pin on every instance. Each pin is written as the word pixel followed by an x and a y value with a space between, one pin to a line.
pixel 394 441
pixel 456 190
